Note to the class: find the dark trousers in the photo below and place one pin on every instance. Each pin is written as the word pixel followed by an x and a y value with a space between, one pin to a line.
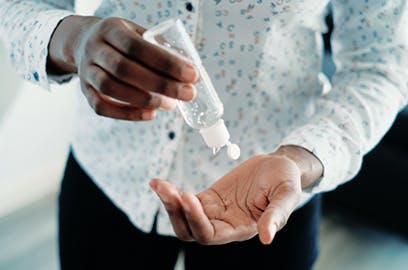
pixel 94 234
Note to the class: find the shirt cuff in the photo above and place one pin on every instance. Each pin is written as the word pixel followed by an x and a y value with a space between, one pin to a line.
pixel 38 47
pixel 336 153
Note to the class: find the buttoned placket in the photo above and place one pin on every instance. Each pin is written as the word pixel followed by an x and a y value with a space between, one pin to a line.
pixel 189 12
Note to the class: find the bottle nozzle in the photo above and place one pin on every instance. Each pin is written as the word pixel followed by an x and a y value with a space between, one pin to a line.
pixel 217 136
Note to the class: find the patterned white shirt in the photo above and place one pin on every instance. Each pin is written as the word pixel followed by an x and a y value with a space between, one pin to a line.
pixel 264 58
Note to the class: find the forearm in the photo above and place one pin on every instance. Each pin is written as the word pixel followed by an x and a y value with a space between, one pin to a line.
pixel 309 165
pixel 65 42
pixel 369 88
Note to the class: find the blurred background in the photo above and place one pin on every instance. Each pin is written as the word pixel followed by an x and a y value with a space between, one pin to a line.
pixel 364 222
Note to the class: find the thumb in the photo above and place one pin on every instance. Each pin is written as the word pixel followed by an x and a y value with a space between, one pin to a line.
pixel 282 202
pixel 134 27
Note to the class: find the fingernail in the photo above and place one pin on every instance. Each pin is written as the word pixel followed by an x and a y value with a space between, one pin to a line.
pixel 189 73
pixel 155 101
pixel 187 92
pixel 180 193
pixel 149 115
pixel 272 230
pixel 168 103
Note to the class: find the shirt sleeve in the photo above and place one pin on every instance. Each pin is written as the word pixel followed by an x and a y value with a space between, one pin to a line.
pixel 369 45
pixel 26 28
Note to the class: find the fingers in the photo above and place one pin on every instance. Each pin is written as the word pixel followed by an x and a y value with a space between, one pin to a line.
pixel 282 202
pixel 171 199
pixel 188 218
pixel 190 221
pixel 107 107
pixel 139 76
pixel 133 45
pixel 199 224
pixel 212 231
pixel 105 83
pixel 133 27
pixel 168 103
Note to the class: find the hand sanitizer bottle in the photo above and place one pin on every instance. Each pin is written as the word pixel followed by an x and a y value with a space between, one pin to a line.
pixel 205 112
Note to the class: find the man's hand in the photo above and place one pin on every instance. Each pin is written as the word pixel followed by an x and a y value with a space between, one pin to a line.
pixel 122 75
pixel 257 197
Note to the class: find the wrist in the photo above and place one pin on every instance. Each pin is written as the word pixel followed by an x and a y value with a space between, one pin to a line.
pixel 309 165
pixel 65 41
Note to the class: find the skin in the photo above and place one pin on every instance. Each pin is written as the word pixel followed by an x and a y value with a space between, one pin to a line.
pixel 125 77
pixel 121 75
pixel 257 197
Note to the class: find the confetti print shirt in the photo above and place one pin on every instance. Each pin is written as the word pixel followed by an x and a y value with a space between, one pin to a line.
pixel 264 58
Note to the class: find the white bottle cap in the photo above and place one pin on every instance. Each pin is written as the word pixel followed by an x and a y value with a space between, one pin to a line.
pixel 217 136
pixel 234 152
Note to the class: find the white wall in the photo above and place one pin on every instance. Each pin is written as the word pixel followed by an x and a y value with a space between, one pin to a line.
pixel 35 128
pixel 8 81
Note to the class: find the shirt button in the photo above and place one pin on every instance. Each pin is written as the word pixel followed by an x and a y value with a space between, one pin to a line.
pixel 172 135
pixel 36 76
pixel 189 7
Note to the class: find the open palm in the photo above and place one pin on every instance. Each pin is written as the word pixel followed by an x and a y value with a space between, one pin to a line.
pixel 256 197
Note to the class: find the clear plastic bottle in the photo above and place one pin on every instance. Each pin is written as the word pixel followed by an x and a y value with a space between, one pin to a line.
pixel 205 112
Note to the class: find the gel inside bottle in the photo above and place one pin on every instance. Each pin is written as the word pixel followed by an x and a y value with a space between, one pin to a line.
pixel 205 112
